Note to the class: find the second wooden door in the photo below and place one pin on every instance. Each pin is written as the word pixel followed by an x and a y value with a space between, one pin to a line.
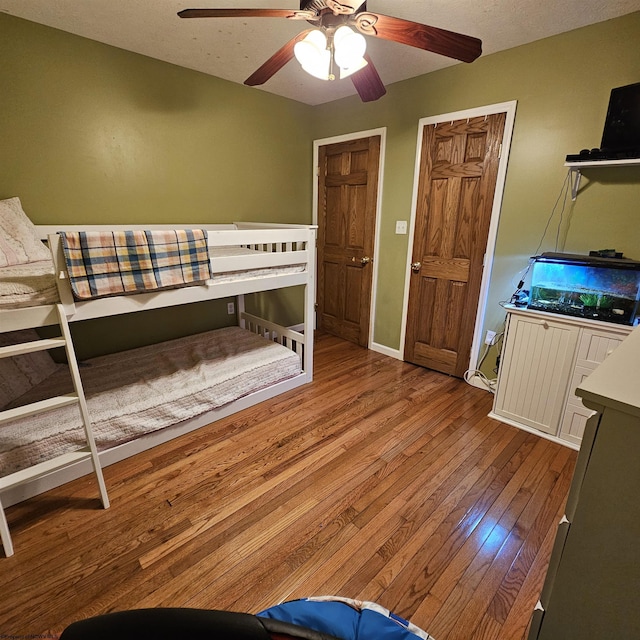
pixel 458 172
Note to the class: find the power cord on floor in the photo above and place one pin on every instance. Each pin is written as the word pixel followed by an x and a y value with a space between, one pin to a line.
pixel 479 376
pixel 476 374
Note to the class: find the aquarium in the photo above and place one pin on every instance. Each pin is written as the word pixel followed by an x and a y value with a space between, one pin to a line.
pixel 585 286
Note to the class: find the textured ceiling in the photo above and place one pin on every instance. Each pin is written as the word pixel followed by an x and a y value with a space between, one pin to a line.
pixel 232 48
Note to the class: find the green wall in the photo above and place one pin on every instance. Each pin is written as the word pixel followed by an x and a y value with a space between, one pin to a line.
pixel 91 133
pixel 562 86
pixel 94 134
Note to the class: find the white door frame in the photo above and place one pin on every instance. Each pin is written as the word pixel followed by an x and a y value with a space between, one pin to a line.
pixel 382 132
pixel 509 108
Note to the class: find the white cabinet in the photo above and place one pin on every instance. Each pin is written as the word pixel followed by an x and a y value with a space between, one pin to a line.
pixel 545 357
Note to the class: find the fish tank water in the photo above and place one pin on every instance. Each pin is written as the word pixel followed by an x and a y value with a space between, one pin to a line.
pixel 597 288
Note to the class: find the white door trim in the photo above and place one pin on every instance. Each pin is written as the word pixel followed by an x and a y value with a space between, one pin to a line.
pixel 509 108
pixel 382 132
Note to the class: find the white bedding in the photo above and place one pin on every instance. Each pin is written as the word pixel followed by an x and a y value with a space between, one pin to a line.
pixel 28 285
pixel 146 389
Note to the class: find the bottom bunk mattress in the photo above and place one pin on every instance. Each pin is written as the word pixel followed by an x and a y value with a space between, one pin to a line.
pixel 145 389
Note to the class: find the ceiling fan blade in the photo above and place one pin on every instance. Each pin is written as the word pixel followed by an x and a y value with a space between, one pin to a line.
pixel 248 13
pixel 422 36
pixel 368 83
pixel 275 62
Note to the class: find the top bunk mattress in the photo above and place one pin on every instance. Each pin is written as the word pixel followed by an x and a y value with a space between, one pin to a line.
pixel 28 285
pixel 245 274
pixel 145 389
pixel 26 268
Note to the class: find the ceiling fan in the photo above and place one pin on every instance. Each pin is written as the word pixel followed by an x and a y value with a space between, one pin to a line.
pixel 336 42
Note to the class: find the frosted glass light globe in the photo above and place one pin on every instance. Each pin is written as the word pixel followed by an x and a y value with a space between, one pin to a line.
pixel 313 55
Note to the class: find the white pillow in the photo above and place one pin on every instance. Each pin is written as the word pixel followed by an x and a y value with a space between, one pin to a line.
pixel 19 241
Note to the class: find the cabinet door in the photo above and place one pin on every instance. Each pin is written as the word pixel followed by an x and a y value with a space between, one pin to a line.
pixel 593 348
pixel 536 366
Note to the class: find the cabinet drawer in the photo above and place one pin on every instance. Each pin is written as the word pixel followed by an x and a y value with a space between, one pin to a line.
pixel 554 561
pixel 536 624
pixel 573 422
pixel 595 345
pixel 580 372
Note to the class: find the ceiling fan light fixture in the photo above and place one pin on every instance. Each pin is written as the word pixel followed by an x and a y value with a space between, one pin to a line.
pixel 312 54
pixel 345 73
pixel 349 49
pixel 320 68
pixel 322 49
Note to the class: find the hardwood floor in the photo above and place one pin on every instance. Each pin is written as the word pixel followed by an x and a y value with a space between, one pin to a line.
pixel 380 481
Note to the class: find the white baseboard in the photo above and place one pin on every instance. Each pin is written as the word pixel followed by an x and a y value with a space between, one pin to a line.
pixel 537 432
pixel 387 351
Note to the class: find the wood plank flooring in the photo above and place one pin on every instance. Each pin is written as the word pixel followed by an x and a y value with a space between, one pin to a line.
pixel 380 481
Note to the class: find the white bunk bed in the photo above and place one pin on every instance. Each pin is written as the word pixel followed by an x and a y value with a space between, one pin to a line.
pixel 244 257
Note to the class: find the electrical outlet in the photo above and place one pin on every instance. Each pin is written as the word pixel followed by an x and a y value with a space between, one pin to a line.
pixel 401 227
pixel 231 308
pixel 490 337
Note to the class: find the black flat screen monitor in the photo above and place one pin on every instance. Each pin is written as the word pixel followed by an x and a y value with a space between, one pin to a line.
pixel 622 126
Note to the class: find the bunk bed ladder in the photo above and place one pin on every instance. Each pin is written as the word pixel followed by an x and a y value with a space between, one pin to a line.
pixel 43 468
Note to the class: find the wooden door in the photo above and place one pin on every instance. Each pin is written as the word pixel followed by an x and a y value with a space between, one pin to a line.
pixel 347 195
pixel 458 171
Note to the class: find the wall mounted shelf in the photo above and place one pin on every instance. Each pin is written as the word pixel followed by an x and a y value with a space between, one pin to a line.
pixel 575 169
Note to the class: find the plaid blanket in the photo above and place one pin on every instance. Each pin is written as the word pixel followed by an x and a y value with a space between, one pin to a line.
pixel 109 263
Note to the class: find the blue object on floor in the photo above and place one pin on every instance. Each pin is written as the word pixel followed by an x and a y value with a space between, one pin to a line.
pixel 346 619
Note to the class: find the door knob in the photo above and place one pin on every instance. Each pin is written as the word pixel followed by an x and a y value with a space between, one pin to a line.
pixel 415 267
pixel 365 260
